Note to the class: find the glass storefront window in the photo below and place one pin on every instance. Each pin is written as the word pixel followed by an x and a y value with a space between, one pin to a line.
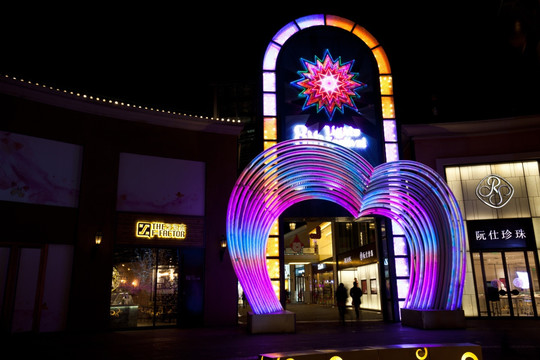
pixel 323 288
pixel 400 246
pixel 402 267
pixel 506 283
pixel 480 284
pixel 144 289
pixel 402 287
pixel 496 285
pixel 535 286
pixel 519 284
pixel 352 235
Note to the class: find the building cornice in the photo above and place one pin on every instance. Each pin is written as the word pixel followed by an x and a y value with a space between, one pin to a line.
pixel 471 128
pixel 115 109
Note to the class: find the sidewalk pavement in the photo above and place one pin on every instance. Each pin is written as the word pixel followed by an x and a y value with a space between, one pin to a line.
pixel 499 339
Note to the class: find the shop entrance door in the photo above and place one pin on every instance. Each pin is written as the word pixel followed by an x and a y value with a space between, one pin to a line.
pixel 506 283
pixel 144 287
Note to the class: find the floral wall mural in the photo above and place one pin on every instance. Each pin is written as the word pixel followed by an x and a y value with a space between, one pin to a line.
pixel 39 171
pixel 160 185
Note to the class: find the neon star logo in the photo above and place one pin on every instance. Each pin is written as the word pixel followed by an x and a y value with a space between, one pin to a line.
pixel 328 84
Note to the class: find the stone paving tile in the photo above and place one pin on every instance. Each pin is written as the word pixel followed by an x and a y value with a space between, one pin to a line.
pixel 499 338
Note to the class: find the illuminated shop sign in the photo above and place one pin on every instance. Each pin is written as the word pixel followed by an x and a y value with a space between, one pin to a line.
pixel 494 191
pixel 368 254
pixel 365 255
pixel 146 229
pixel 346 135
pixel 500 234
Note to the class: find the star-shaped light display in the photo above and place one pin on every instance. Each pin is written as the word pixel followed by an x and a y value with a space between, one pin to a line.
pixel 328 84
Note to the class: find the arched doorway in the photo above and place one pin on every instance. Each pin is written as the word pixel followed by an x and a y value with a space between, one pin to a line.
pixel 322 252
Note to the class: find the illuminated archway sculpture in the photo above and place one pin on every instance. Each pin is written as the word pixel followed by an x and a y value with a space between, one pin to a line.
pixel 408 192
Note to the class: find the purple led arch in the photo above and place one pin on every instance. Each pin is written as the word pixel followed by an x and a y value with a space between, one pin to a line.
pixel 408 192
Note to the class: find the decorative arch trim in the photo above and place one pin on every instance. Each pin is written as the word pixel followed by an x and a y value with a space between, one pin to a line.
pixel 385 76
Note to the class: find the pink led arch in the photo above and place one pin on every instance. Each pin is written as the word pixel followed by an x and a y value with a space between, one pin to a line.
pixel 407 192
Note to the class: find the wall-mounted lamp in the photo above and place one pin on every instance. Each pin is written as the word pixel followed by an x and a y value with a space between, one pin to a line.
pixel 292 226
pixel 98 237
pixel 222 247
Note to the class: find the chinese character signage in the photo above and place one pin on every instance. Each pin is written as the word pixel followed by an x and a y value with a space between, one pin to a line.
pixel 500 234
pixel 365 255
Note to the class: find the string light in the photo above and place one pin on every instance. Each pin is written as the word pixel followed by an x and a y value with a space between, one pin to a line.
pixel 115 102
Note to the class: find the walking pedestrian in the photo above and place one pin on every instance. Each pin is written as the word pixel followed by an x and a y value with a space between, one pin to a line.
pixel 341 300
pixel 356 295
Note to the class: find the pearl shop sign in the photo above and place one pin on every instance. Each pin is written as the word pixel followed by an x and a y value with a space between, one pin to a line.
pixel 494 191
pixel 149 230
pixel 501 234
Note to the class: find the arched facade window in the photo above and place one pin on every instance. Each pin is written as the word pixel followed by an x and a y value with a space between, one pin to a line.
pixel 270 69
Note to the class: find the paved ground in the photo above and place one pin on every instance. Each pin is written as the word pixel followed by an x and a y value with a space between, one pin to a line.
pixel 499 338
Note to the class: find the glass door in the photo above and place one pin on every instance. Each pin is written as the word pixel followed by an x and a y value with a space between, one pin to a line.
pixel 496 285
pixel 479 278
pixel 506 283
pixel 519 284
pixel 144 290
pixel 167 287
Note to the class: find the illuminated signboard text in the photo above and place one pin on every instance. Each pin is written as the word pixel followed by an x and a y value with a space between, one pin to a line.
pixel 500 233
pixel 343 135
pixel 366 254
pixel 146 229
pixel 503 234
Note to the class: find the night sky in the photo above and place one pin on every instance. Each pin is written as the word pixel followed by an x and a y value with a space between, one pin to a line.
pixel 473 61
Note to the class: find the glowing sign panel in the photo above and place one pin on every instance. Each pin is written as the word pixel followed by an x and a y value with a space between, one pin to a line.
pixel 161 230
pixel 501 234
pixel 346 136
pixel 328 84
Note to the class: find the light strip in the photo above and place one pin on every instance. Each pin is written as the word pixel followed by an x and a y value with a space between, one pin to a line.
pixel 407 192
pixel 310 20
pixel 345 24
pixel 285 33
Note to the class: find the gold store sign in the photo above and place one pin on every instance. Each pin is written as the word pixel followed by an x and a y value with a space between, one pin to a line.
pixel 147 229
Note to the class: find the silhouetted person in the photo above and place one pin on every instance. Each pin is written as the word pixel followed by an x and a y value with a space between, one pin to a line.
pixel 356 295
pixel 341 300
